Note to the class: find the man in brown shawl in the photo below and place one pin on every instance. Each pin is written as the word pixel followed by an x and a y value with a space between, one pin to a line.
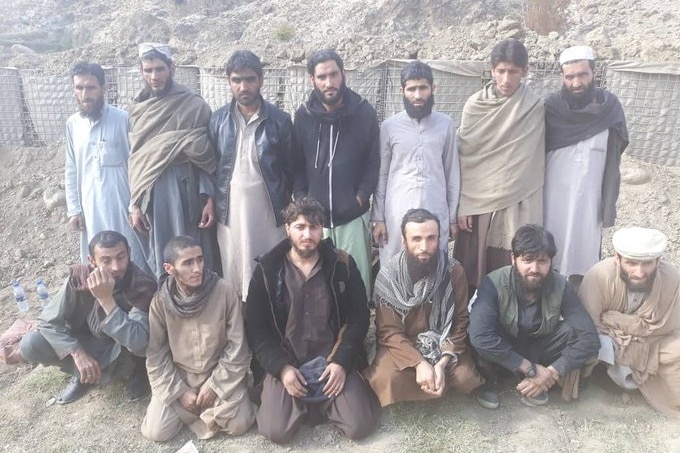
pixel 101 310
pixel 634 300
pixel 171 160
pixel 501 149
pixel 421 319
pixel 197 356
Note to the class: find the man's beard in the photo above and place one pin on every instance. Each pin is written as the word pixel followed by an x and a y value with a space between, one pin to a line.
pixel 305 252
pixel 580 100
pixel 530 286
pixel 418 113
pixel 163 92
pixel 417 269
pixel 335 100
pixel 96 111
pixel 638 287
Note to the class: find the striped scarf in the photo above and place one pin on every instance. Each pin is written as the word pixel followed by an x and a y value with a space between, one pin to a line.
pixel 394 288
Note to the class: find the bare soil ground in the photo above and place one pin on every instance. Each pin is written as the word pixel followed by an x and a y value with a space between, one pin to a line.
pixel 35 243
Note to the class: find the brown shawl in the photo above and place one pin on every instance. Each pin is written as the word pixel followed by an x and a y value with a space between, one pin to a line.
pixel 501 148
pixel 638 336
pixel 166 130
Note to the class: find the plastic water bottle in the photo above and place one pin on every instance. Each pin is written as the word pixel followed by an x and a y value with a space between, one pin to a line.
pixel 19 296
pixel 41 289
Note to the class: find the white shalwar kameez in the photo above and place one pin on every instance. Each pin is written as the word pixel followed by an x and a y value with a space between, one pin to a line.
pixel 572 203
pixel 96 180
pixel 251 226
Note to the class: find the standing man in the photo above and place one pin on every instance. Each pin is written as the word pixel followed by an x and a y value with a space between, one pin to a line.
pixel 253 139
pixel 634 300
pixel 421 319
pixel 528 320
pixel 337 146
pixel 97 151
pixel 502 160
pixel 585 134
pixel 101 309
pixel 307 317
pixel 171 161
pixel 418 164
pixel 198 356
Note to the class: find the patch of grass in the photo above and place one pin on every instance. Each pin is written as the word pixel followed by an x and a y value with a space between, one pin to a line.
pixel 44 380
pixel 617 437
pixel 435 426
pixel 284 32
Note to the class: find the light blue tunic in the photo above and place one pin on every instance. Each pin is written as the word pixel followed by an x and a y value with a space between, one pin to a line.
pixel 97 177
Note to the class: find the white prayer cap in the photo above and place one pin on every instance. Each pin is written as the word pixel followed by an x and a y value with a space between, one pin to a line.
pixel 163 49
pixel 577 53
pixel 640 244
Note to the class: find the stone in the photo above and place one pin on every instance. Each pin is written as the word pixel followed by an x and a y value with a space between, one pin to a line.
pixel 54 200
pixel 509 24
pixel 298 58
pixel 18 49
pixel 635 176
pixel 24 191
pixel 474 44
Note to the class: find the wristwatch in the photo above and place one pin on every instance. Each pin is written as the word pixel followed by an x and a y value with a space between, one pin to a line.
pixel 531 371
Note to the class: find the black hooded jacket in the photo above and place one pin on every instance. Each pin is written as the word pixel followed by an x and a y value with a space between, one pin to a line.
pixel 267 315
pixel 339 148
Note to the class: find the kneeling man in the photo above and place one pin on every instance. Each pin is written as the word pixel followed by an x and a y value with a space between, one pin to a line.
pixel 101 310
pixel 307 317
pixel 634 299
pixel 528 320
pixel 421 319
pixel 197 357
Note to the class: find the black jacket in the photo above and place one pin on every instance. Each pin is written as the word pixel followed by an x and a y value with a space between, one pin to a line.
pixel 267 315
pixel 273 140
pixel 354 134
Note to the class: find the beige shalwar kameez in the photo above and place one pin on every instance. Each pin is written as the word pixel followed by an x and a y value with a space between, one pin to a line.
pixel 186 352
pixel 648 339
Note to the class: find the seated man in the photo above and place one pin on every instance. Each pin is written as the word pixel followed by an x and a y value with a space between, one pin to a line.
pixel 101 310
pixel 634 300
pixel 421 319
pixel 197 357
pixel 307 317
pixel 528 320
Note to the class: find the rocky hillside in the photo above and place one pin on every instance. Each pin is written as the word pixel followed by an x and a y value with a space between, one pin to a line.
pixel 52 34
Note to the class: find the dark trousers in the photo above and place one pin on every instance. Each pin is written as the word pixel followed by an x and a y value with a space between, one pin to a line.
pixel 543 350
pixel 35 348
pixel 355 412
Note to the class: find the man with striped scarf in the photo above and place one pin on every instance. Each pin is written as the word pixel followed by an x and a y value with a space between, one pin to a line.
pixel 421 319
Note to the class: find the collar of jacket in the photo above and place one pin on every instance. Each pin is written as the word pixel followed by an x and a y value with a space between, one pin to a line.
pixel 264 107
pixel 275 256
pixel 351 101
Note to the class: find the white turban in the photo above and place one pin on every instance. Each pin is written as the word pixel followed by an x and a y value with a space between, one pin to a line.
pixel 576 53
pixel 640 244
pixel 163 49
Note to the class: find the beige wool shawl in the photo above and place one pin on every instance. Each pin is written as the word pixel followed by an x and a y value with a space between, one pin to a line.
pixel 501 148
pixel 638 336
pixel 167 130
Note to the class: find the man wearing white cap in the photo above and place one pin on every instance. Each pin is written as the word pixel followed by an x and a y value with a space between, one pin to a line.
pixel 634 300
pixel 171 160
pixel 585 136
